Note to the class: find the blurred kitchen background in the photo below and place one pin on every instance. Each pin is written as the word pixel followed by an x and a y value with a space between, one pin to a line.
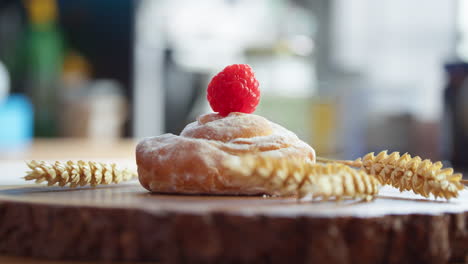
pixel 348 76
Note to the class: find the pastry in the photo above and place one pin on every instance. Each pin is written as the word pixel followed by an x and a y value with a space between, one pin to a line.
pixel 192 163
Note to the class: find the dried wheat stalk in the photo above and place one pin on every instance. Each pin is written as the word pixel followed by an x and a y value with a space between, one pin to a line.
pixel 294 176
pixel 409 173
pixel 78 173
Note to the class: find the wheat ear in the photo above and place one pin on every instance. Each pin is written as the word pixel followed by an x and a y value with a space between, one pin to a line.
pixel 78 173
pixel 287 176
pixel 410 173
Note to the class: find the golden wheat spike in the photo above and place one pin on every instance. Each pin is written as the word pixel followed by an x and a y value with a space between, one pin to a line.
pixel 78 173
pixel 409 173
pixel 293 176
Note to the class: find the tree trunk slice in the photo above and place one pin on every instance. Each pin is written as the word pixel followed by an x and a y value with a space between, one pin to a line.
pixel 126 223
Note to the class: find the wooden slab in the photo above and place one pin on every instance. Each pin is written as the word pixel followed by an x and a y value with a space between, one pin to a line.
pixel 126 223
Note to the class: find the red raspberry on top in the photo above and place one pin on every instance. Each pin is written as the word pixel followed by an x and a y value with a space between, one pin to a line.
pixel 234 89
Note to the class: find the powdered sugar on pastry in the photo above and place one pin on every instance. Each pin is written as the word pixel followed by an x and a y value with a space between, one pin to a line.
pixel 192 162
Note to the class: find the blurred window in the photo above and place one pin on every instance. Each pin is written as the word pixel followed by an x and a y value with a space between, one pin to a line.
pixel 399 47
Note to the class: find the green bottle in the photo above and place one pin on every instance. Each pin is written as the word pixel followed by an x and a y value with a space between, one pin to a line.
pixel 44 49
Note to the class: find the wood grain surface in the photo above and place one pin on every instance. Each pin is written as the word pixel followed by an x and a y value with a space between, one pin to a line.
pixel 29 260
pixel 126 223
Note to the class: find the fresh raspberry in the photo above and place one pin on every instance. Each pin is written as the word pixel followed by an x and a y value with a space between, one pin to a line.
pixel 234 89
